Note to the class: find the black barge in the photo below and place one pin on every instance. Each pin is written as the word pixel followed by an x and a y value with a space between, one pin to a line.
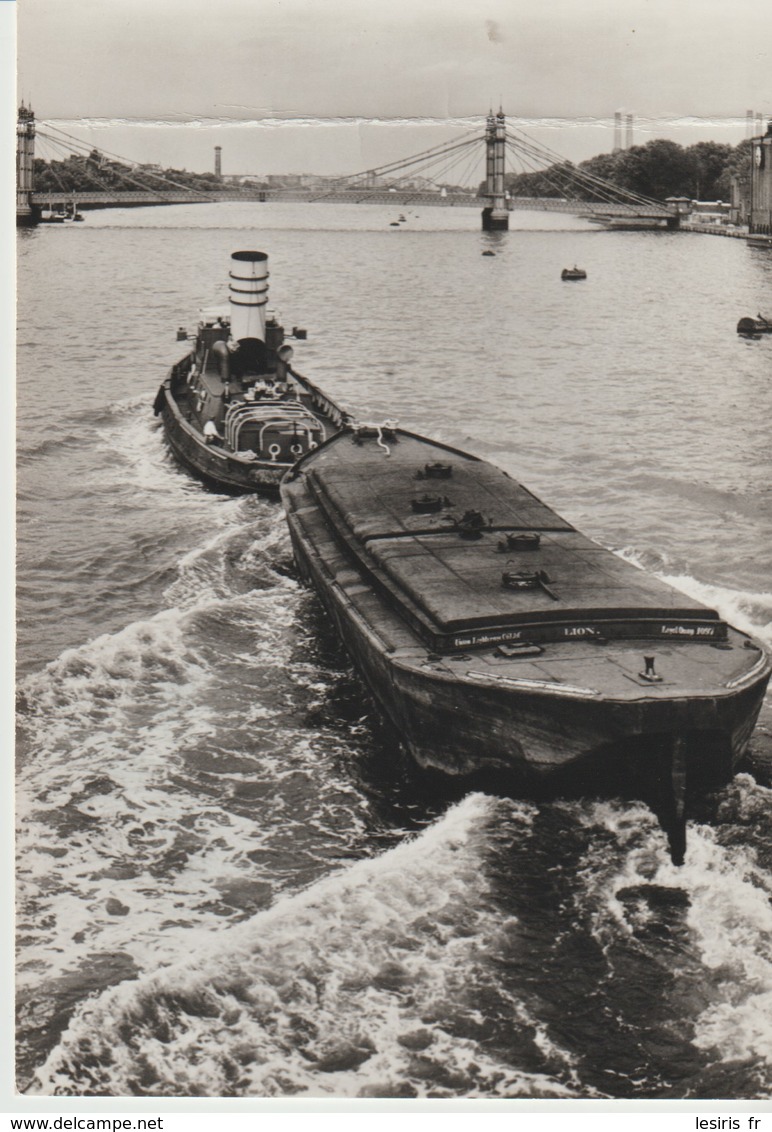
pixel 495 636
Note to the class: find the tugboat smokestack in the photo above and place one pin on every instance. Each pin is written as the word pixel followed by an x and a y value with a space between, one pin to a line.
pixel 248 294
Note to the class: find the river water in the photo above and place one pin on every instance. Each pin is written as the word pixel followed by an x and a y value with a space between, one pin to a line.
pixel 230 882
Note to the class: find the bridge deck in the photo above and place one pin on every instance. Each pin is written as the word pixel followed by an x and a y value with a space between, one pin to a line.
pixel 59 199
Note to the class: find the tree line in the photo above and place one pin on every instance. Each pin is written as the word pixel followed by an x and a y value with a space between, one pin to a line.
pixel 658 169
pixel 96 173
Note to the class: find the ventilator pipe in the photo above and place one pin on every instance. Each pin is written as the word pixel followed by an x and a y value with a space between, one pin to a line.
pixel 248 295
pixel 222 356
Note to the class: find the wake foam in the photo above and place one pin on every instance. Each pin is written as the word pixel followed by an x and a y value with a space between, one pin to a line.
pixel 749 612
pixel 126 738
pixel 366 984
pixel 710 918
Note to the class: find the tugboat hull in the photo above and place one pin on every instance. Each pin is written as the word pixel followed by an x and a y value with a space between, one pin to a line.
pixel 217 467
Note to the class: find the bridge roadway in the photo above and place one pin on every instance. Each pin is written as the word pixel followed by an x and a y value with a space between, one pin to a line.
pixel 59 199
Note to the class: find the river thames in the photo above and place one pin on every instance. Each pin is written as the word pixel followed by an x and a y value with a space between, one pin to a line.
pixel 230 881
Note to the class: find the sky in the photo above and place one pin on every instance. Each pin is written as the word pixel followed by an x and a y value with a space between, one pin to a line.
pixel 337 86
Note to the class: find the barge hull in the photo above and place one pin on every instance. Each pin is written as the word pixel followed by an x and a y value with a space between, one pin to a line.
pixel 586 671
pixel 462 724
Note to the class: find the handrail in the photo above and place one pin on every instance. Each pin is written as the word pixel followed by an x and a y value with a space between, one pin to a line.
pixel 306 425
pixel 267 414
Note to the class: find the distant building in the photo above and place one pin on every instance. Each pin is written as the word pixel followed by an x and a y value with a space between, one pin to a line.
pixel 629 128
pixel 624 126
pixel 760 220
pixel 740 199
pixel 284 180
pixel 297 180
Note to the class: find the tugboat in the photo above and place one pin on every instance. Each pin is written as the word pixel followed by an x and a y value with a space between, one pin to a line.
pixel 496 637
pixel 234 410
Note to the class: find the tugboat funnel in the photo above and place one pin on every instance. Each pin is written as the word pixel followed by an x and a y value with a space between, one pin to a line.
pixel 248 294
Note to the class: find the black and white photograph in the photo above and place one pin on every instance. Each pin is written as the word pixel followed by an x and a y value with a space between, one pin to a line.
pixel 393 552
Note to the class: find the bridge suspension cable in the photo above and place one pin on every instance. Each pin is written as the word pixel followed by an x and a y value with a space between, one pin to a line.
pixel 430 164
pixel 74 147
pixel 561 174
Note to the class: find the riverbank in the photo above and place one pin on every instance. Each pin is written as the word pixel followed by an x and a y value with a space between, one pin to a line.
pixel 738 232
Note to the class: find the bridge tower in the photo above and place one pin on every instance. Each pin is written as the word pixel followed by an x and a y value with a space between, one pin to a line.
pixel 495 216
pixel 26 211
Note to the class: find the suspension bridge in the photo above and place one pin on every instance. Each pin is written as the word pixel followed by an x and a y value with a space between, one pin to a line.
pixel 473 171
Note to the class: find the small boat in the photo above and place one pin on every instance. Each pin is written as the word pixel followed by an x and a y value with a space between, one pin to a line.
pixel 626 224
pixel 52 217
pixel 234 410
pixel 394 224
pixel 754 326
pixel 488 252
pixel 573 273
pixel 759 240
pixel 497 638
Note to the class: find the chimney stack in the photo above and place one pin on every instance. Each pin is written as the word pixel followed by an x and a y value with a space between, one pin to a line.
pixel 248 289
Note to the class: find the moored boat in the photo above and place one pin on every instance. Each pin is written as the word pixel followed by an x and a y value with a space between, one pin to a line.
pixel 495 636
pixel 234 410
pixel 754 326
